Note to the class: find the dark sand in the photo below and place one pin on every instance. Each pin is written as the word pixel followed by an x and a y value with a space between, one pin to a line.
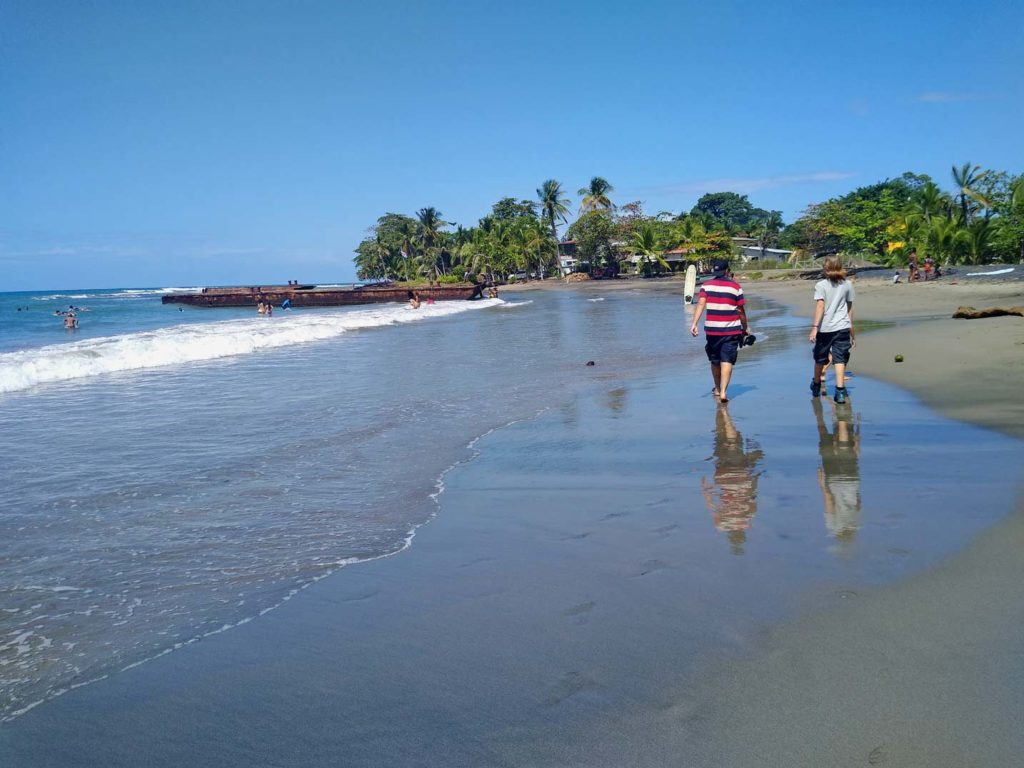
pixel 578 603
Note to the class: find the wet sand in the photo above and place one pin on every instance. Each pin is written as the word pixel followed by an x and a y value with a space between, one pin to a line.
pixel 638 578
pixel 965 369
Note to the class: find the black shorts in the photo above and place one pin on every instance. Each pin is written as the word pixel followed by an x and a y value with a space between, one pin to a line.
pixel 836 343
pixel 722 349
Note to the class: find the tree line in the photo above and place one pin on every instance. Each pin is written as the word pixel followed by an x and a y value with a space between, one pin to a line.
pixel 980 220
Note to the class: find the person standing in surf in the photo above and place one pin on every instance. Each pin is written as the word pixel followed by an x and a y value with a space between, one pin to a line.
pixel 724 327
pixel 832 332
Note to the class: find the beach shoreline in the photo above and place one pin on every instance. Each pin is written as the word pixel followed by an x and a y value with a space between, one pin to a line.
pixel 554 587
pixel 968 370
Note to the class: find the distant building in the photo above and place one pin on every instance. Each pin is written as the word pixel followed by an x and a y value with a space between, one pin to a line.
pixel 567 257
pixel 753 253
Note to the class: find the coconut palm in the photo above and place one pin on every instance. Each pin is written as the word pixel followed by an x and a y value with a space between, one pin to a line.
pixel 977 240
pixel 930 201
pixel 644 244
pixel 430 226
pixel 941 239
pixel 767 231
pixel 429 236
pixel 595 197
pixel 554 207
pixel 966 178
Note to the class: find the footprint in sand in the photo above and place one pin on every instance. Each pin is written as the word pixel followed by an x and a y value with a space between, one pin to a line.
pixel 666 528
pixel 613 515
pixel 357 598
pixel 571 684
pixel 577 610
pixel 650 566
pixel 877 756
pixel 576 536
pixel 477 561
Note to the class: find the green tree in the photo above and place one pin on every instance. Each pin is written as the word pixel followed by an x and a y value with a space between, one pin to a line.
pixel 554 207
pixel 510 208
pixel 595 196
pixel 644 244
pixel 767 231
pixel 977 240
pixel 429 235
pixel 594 233
pixel 731 210
pixel 967 179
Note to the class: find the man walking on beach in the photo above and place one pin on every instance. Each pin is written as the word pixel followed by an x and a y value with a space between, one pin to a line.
pixel 725 325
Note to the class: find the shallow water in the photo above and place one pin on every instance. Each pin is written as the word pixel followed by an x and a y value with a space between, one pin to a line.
pixel 176 479
pixel 583 569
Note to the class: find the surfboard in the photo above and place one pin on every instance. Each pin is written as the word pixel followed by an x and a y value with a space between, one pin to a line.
pixel 690 287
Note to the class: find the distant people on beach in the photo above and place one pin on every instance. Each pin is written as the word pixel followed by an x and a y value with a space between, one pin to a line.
pixel 492 292
pixel 929 264
pixel 832 331
pixel 70 321
pixel 261 308
pixel 896 278
pixel 839 473
pixel 414 299
pixel 270 309
pixel 913 272
pixel 731 494
pixel 724 327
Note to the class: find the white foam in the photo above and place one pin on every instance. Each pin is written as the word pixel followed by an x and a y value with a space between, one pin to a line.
pixel 127 293
pixel 986 274
pixel 182 344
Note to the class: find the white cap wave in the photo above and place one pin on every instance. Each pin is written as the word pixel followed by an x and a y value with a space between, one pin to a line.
pixel 182 344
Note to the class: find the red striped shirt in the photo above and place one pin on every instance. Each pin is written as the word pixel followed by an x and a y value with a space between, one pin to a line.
pixel 724 298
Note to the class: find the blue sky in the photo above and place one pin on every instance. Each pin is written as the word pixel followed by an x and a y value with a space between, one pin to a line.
pixel 187 143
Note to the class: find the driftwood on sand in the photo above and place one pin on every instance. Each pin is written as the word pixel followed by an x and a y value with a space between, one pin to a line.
pixel 970 313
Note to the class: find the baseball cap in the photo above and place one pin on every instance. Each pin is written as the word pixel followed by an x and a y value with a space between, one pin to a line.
pixel 720 267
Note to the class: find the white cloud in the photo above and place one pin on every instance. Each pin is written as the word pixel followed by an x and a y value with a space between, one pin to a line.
pixel 745 185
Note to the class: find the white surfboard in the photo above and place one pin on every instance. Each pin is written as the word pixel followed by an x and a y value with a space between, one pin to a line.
pixel 690 286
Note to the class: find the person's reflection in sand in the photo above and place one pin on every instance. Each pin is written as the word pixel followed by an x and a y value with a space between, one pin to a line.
pixel 839 473
pixel 732 495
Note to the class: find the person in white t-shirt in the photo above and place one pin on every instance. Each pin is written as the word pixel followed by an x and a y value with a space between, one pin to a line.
pixel 832 332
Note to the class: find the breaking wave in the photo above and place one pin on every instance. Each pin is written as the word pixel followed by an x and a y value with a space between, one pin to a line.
pixel 127 293
pixel 183 344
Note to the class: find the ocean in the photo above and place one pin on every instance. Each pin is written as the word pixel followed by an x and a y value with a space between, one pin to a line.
pixel 170 474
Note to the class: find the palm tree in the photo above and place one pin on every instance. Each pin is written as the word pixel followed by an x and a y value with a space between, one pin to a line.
pixel 930 201
pixel 595 197
pixel 768 230
pixel 430 226
pixel 645 245
pixel 966 179
pixel 554 207
pixel 429 234
pixel 977 238
pixel 941 239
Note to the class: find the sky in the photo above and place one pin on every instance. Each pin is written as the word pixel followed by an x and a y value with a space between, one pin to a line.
pixel 200 143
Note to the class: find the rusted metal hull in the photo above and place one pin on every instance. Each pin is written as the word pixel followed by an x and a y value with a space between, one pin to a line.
pixel 324 297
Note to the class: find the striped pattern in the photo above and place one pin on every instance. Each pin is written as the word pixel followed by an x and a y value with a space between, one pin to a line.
pixel 724 298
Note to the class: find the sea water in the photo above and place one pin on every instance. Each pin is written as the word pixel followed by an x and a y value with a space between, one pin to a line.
pixel 170 474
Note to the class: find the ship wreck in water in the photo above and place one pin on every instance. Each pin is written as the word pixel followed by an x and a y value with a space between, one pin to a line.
pixel 322 296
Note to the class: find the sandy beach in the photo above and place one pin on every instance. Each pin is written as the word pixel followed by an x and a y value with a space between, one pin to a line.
pixel 965 369
pixel 586 596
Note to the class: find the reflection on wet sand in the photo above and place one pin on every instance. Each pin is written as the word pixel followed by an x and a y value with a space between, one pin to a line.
pixel 732 494
pixel 839 473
